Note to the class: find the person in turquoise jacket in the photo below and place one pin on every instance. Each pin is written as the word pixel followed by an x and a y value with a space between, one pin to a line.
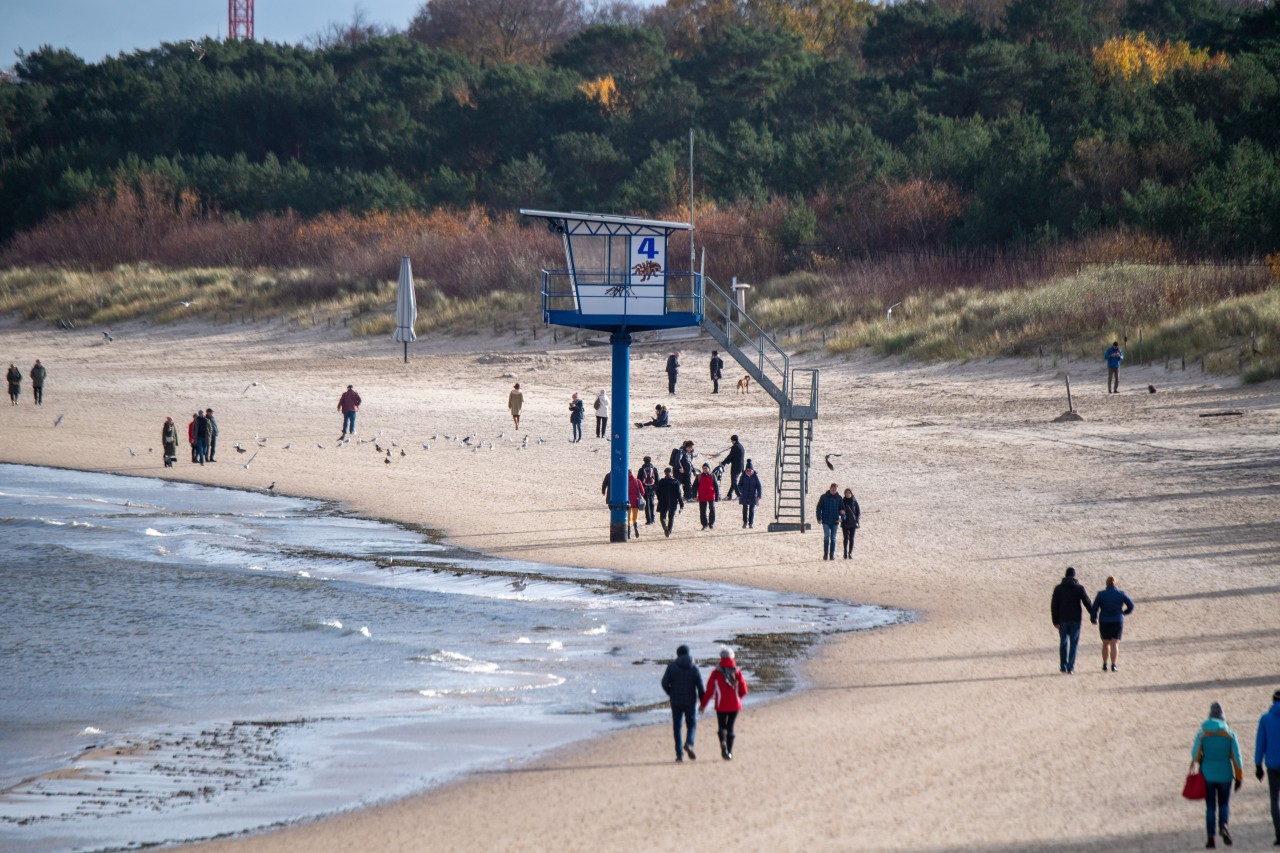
pixel 1114 356
pixel 1218 752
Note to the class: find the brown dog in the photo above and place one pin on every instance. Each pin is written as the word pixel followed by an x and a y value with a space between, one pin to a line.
pixel 744 385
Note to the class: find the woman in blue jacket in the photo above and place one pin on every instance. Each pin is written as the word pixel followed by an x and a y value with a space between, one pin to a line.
pixel 1218 753
pixel 1110 606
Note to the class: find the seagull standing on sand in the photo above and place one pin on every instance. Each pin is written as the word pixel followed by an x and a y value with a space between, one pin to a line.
pixel 519 584
pixel 272 487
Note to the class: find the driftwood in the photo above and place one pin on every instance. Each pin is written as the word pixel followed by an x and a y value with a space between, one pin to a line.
pixel 1220 414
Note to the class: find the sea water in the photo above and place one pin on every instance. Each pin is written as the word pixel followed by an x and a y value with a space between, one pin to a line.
pixel 179 662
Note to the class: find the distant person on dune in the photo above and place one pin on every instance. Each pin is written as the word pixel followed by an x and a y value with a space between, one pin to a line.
pixel 1114 356
pixel 515 402
pixel 682 682
pixel 349 404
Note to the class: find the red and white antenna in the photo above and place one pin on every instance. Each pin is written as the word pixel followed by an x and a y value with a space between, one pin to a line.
pixel 240 19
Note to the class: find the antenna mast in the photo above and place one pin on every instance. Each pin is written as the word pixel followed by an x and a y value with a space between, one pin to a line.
pixel 240 19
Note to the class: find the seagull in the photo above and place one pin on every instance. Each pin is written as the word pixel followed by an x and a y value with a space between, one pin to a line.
pixel 319 445
pixel 58 422
pixel 436 437
pixel 272 487
pixel 426 446
pixel 288 446
pixel 247 387
pixel 251 458
pixel 240 449
pixel 151 450
pixel 107 335
pixel 501 434
pixel 395 443
pixel 197 49
pixel 387 459
pixel 184 304
pixel 519 584
pixel 402 453
pixel 827 459
pixel 377 447
pixel 131 453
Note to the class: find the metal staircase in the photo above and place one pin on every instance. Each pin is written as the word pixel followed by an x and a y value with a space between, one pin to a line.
pixel 795 390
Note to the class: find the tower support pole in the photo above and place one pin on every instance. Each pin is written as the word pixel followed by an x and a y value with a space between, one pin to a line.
pixel 619 436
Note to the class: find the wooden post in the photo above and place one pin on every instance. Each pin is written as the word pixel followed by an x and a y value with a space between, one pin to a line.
pixel 1139 359
pixel 1070 407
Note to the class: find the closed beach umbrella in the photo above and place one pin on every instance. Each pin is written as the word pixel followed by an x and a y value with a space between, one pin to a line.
pixel 406 308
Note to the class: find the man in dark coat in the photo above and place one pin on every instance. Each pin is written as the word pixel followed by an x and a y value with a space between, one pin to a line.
pixel 681 462
pixel 1067 607
pixel 213 435
pixel 202 437
pixel 669 499
pixel 38 374
pixel 682 682
pixel 673 370
pixel 717 371
pixel 648 477
pixel 736 460
pixel 829 509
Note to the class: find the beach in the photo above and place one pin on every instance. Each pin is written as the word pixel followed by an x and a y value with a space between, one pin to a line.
pixel 954 731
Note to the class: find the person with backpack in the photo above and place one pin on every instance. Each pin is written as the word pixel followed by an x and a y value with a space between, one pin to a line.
pixel 1217 751
pixel 38 374
pixel 602 415
pixel 708 491
pixel 1066 607
pixel 648 477
pixel 681 463
pixel 729 686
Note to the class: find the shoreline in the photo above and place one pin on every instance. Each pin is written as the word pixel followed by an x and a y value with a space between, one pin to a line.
pixel 973 503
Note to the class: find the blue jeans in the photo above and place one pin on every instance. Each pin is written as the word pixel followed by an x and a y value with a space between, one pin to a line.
pixel 348 423
pixel 577 431
pixel 1068 639
pixel 690 718
pixel 1217 798
pixel 829 539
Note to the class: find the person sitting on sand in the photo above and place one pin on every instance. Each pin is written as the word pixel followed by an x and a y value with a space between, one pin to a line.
pixel 661 418
pixel 1110 606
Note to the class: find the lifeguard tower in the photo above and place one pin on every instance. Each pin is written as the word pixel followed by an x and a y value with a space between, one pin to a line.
pixel 617 280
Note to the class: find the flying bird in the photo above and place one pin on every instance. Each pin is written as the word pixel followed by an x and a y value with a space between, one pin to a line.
pixel 58 422
pixel 107 335
pixel 184 304
pixel 247 387
pixel 197 49
pixel 827 459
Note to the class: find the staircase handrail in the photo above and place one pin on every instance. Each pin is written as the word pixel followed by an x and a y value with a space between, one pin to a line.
pixel 718 308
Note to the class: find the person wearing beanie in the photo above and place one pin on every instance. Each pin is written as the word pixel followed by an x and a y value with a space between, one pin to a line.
pixel 717 371
pixel 682 682
pixel 735 460
pixel 1110 606
pixel 728 685
pixel 1266 751
pixel 749 493
pixel 1217 751
pixel 669 500
pixel 1067 612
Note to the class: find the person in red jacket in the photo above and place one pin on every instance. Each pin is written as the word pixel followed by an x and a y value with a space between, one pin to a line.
pixel 728 685
pixel 708 491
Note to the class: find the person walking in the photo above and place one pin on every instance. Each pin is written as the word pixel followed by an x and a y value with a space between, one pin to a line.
pixel 169 438
pixel 202 437
pixel 669 500
pixel 635 496
pixel 1110 606
pixel 829 506
pixel 1217 751
pixel 717 371
pixel 681 463
pixel 682 682
pixel 648 477
pixel 213 436
pixel 1266 751
pixel 735 459
pixel 515 401
pixel 729 686
pixel 1066 608
pixel 708 491
pixel 576 411
pixel 38 373
pixel 602 415
pixel 749 494
pixel 850 521
pixel 1113 357
pixel 191 436
pixel 15 383
pixel 349 404
pixel 673 371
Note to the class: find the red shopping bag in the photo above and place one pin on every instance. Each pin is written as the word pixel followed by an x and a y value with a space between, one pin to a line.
pixel 1193 788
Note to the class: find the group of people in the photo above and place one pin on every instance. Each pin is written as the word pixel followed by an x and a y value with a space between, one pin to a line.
pixel 1067 606
pixel 682 682
pixel 37 374
pixel 202 436
pixel 842 513
pixel 673 371
pixel 1216 750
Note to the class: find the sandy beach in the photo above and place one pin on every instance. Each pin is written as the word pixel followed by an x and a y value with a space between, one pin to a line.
pixel 953 732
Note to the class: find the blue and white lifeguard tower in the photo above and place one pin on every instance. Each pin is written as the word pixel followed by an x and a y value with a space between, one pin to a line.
pixel 617 280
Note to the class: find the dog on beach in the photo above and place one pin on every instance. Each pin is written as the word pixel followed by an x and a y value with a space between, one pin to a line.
pixel 744 385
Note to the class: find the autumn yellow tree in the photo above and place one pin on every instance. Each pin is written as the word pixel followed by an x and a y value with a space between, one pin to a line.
pixel 828 27
pixel 1131 58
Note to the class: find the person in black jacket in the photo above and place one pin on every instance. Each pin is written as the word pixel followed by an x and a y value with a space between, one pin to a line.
pixel 681 463
pixel 15 384
pixel 1065 607
pixel 735 459
pixel 717 371
pixel 682 682
pixel 673 371
pixel 648 477
pixel 669 499
pixel 850 521
pixel 213 436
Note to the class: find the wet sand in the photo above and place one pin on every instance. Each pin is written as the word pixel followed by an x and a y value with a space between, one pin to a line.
pixel 953 732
